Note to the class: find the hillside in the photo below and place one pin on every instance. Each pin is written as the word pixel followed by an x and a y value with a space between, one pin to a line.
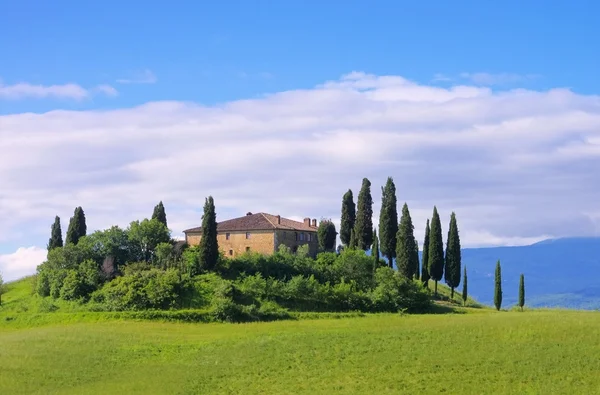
pixel 558 273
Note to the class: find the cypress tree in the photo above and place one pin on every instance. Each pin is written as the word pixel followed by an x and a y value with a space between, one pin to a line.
pixel 348 217
pixel 77 226
pixel 56 239
pixel 363 227
pixel 326 235
pixel 498 287
pixel 522 291
pixel 416 260
pixel 453 256
pixel 405 247
pixel 436 249
pixel 425 263
pixel 375 251
pixel 352 242
pixel 209 248
pixel 388 221
pixel 159 213
pixel 464 291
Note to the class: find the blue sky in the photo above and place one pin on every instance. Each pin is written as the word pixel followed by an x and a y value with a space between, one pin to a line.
pixel 489 109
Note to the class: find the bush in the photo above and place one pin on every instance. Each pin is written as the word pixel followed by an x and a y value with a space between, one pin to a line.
pixel 395 293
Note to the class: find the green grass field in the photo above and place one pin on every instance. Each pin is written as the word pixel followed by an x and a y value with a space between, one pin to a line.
pixel 477 350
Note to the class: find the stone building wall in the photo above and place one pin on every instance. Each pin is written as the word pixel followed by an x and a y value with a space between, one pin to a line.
pixel 236 243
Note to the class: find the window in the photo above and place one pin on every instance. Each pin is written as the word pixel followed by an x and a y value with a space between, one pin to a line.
pixel 301 236
pixel 230 252
pixel 247 235
pixel 247 249
pixel 308 236
pixel 296 234
pixel 227 237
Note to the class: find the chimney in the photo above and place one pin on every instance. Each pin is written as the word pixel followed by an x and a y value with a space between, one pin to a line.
pixel 307 221
pixel 278 219
pixel 248 213
pixel 314 223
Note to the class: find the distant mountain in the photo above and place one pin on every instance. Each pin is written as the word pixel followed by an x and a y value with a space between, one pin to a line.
pixel 558 273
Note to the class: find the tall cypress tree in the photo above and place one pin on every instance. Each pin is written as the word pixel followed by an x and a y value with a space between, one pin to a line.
pixel 405 248
pixel 363 227
pixel 453 256
pixel 348 217
pixel 522 291
pixel 498 287
pixel 436 249
pixel 425 263
pixel 375 251
pixel 77 226
pixel 388 221
pixel 159 213
pixel 416 260
pixel 56 239
pixel 464 291
pixel 352 242
pixel 209 248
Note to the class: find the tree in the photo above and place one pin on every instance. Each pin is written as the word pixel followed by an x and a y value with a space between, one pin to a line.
pixel 56 239
pixel 209 247
pixel 159 213
pixel 464 291
pixel 326 235
pixel 435 258
pixel 498 287
pixel 522 291
pixel 77 227
pixel 352 242
pixel 388 221
pixel 363 227
pixel 453 256
pixel 425 264
pixel 1 288
pixel 416 260
pixel 405 247
pixel 143 237
pixel 375 251
pixel 348 217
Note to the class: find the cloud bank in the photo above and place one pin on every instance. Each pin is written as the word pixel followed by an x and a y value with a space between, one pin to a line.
pixel 23 90
pixel 516 166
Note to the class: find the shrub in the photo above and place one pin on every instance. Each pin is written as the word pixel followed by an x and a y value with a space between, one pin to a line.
pixel 394 293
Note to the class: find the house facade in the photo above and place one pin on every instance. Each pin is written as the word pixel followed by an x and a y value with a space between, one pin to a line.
pixel 262 233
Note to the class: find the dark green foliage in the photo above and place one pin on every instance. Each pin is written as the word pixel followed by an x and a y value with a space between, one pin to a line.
pixel 56 240
pixel 425 264
pixel 394 292
pixel 77 226
pixel 363 227
pixel 388 221
pixel 405 248
pixel 144 236
pixel 498 287
pixel 521 291
pixel 2 286
pixel 453 256
pixel 348 217
pixel 209 248
pixel 435 257
pixel 464 290
pixel 352 243
pixel 159 214
pixel 326 235
pixel 416 261
pixel 375 251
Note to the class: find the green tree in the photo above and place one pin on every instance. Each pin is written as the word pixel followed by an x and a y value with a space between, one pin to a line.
pixel 405 247
pixel 425 264
pixel 363 227
pixel 144 236
pixel 435 257
pixel 453 256
pixel 416 260
pixel 159 214
pixel 375 251
pixel 77 226
pixel 348 217
pixel 388 221
pixel 498 287
pixel 326 235
pixel 352 242
pixel 464 290
pixel 1 288
pixel 56 239
pixel 522 291
pixel 209 248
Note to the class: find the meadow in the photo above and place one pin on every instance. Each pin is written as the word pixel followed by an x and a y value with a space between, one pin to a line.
pixel 466 350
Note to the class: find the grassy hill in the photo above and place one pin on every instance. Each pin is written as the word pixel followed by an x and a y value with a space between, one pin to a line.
pixel 72 351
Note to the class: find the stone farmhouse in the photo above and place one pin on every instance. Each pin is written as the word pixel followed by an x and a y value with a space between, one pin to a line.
pixel 261 232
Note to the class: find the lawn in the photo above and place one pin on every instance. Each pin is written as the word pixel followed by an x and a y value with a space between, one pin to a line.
pixel 490 352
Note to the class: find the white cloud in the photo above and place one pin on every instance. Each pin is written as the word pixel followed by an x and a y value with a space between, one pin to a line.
pixel 141 77
pixel 24 90
pixel 21 263
pixel 515 166
pixel 497 79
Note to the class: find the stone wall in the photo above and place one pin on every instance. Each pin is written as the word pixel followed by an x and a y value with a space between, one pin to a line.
pixel 236 243
pixel 293 240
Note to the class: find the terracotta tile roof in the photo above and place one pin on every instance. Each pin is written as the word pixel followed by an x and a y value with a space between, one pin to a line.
pixel 259 221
